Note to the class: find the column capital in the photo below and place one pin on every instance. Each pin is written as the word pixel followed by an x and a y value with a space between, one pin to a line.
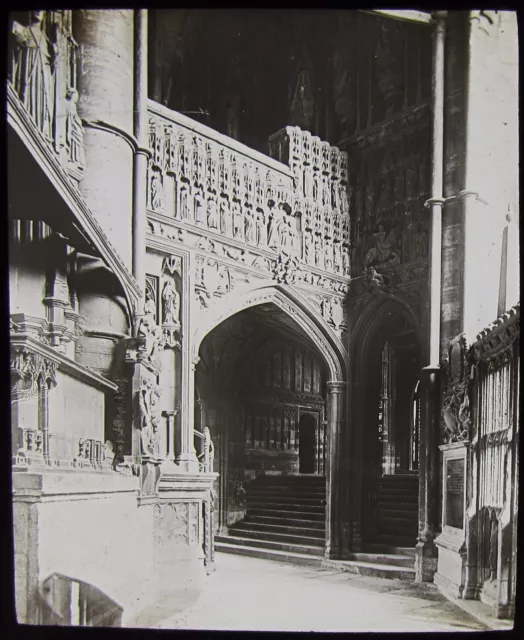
pixel 336 386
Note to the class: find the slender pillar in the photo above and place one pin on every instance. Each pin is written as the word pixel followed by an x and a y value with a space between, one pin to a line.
pixel 187 458
pixel 335 390
pixel 141 155
pixel 429 461
pixel 170 415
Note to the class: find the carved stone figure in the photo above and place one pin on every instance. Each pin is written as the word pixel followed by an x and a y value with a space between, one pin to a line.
pixel 212 214
pixel 226 218
pixel 328 251
pixel 261 234
pixel 200 210
pixel 374 279
pixel 148 420
pixel 274 231
pixel 238 221
pixel 309 249
pixel 33 70
pixel 385 250
pixel 327 310
pixel 74 130
pixel 148 330
pixel 249 226
pixel 337 257
pixel 346 267
pixel 171 303
pixel 319 253
pixel 156 191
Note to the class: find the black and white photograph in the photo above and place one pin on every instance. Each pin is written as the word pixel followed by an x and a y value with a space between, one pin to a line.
pixel 264 318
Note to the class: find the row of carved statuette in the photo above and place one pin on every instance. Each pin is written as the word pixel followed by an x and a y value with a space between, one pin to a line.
pixel 29 369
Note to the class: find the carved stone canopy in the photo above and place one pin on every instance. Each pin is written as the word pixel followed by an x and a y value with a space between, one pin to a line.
pixel 28 369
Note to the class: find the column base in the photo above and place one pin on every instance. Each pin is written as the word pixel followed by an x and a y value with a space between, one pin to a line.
pixel 426 556
pixel 188 462
pixel 210 568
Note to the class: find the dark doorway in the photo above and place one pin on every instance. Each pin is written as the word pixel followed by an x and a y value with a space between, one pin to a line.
pixel 306 430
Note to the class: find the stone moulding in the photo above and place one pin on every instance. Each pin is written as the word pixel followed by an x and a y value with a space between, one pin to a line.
pixel 28 344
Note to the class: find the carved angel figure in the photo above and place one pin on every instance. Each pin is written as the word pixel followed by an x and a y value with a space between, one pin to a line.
pixel 385 250
pixel 249 226
pixel 238 220
pixel 212 214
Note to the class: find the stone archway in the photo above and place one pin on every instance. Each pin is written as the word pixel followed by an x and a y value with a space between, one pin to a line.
pixel 300 313
pixel 381 413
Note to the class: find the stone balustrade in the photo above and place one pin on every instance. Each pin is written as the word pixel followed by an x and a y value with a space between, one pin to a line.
pixel 212 184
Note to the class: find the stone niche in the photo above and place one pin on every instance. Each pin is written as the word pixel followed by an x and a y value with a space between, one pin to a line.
pixel 451 543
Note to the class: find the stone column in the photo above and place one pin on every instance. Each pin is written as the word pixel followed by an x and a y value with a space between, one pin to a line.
pixel 429 474
pixel 105 85
pixel 335 421
pixel 170 415
pixel 187 459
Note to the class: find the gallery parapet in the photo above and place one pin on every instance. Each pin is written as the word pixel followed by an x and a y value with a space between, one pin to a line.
pixel 298 212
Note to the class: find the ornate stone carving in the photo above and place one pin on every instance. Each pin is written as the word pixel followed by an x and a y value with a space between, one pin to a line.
pixel 28 369
pixel 456 401
pixel 74 131
pixel 213 280
pixel 149 418
pixel 149 333
pixel 494 344
pixel 170 304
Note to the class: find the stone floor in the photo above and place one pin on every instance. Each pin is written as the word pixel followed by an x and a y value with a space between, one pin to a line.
pixel 260 595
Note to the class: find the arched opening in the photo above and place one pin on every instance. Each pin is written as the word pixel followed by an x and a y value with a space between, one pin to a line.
pixel 308 447
pixel 261 389
pixel 389 356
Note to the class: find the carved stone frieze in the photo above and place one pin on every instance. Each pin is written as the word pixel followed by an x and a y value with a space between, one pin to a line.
pixel 213 280
pixel 29 370
pixel 148 422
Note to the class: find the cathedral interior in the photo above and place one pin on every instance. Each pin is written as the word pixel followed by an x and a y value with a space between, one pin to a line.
pixel 245 312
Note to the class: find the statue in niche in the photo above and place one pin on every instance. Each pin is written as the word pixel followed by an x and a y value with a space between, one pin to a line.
pixel 385 250
pixel 309 249
pixel 274 231
pixel 74 130
pixel 319 253
pixel 303 103
pixel 34 59
pixel 171 303
pixel 226 218
pixel 337 257
pixel 328 249
pixel 261 229
pixel 200 210
pixel 327 310
pixel 238 221
pixel 346 268
pixel 249 231
pixel 421 242
pixel 212 214
pixel 156 191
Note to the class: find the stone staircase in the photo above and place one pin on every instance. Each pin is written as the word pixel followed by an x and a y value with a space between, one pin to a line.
pixel 397 512
pixel 285 521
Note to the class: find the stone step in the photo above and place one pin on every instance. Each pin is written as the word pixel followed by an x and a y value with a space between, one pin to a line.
pixel 273 546
pixel 394 540
pixel 284 506
pixel 266 554
pixel 377 547
pixel 371 569
pixel 398 516
pixel 245 531
pixel 393 559
pixel 279 528
pixel 286 514
pixel 286 521
pixel 312 492
pixel 306 501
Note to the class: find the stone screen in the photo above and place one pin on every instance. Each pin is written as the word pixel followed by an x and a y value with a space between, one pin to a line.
pixel 454 498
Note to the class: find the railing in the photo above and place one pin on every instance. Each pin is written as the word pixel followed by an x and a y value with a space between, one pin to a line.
pixel 207 450
pixel 496 392
pixel 298 212
pixel 43 74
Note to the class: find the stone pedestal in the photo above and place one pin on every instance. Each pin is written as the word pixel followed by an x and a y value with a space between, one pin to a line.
pixel 451 543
